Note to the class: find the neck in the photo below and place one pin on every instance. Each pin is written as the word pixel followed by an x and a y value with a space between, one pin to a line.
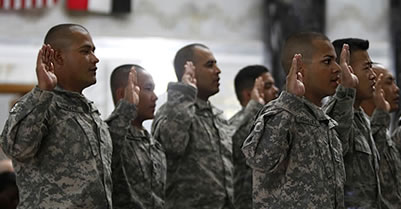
pixel 357 103
pixel 368 106
pixel 315 100
pixel 68 88
pixel 202 97
pixel 137 123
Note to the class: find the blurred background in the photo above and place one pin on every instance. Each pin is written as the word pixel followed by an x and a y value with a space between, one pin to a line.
pixel 149 32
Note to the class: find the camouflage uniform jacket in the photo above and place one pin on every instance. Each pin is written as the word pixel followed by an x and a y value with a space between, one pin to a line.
pixel 242 122
pixel 361 157
pixel 390 161
pixel 396 136
pixel 138 165
pixel 198 149
pixel 296 156
pixel 61 150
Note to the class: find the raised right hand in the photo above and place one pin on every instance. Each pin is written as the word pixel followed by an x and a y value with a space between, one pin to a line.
pixel 189 74
pixel 257 93
pixel 347 77
pixel 378 95
pixel 294 81
pixel 47 80
pixel 132 90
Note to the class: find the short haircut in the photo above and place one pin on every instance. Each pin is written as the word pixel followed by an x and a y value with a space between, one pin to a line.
pixel 60 36
pixel 119 77
pixel 245 78
pixel 355 44
pixel 183 55
pixel 299 43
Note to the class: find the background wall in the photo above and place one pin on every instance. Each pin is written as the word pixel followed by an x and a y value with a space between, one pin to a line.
pixel 154 30
pixel 150 35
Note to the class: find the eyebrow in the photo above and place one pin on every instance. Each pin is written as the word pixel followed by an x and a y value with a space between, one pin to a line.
pixel 87 46
pixel 329 56
pixel 211 61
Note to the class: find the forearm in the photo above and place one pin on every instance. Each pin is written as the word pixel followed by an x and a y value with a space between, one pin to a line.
pixel 173 122
pixel 268 143
pixel 379 124
pixel 121 118
pixel 340 108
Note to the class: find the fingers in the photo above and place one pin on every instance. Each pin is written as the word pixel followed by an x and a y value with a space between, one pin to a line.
pixel 46 57
pixel 190 68
pixel 40 56
pixel 379 83
pixel 189 74
pixel 345 56
pixel 295 65
pixel 133 77
pixel 259 82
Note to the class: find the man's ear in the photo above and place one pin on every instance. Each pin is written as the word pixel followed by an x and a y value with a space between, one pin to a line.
pixel 120 92
pixel 245 96
pixel 302 68
pixel 58 57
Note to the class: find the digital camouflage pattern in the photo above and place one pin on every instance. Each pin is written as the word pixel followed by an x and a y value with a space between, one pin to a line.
pixel 198 148
pixel 390 162
pixel 61 151
pixel 138 164
pixel 242 123
pixel 396 136
pixel 361 158
pixel 296 156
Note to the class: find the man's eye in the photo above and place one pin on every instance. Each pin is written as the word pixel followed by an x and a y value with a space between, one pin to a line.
pixel 327 62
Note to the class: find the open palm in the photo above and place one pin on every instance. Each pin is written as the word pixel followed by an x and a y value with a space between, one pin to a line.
pixel 294 81
pixel 47 80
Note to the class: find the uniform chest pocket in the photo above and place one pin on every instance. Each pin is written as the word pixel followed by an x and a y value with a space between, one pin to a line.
pixel 90 135
pixel 136 160
pixel 362 146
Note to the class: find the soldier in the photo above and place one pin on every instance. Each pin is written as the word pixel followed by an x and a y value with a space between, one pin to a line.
pixel 60 147
pixel 249 82
pixel 361 157
pixel 293 149
pixel 139 162
pixel 384 101
pixel 195 136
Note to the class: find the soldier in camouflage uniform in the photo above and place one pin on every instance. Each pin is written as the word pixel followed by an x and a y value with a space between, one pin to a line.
pixel 139 162
pixel 385 100
pixel 294 149
pixel 195 135
pixel 60 147
pixel 248 83
pixel 361 157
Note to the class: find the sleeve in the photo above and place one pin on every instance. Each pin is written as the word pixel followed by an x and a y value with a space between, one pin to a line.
pixel 379 123
pixel 340 108
pixel 26 125
pixel 121 119
pixel 242 126
pixel 268 144
pixel 172 124
pixel 250 112
pixel 396 137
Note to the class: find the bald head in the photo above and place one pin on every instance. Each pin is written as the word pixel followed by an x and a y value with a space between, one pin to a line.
pixel 299 43
pixel 61 36
pixel 389 86
pixel 119 78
